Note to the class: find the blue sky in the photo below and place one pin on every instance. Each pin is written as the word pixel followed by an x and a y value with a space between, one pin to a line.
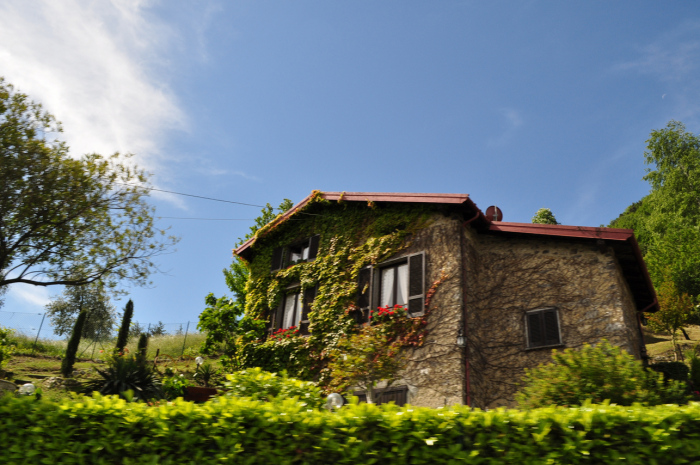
pixel 519 104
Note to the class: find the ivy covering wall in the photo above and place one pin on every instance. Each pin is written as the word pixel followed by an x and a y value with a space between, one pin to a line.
pixel 352 235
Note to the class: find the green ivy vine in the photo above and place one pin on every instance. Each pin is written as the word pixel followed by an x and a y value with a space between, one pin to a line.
pixel 352 235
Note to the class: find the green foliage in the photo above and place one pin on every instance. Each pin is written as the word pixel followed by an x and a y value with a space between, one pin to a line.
pixel 127 373
pixel 220 320
pixel 106 430
pixel 675 311
pixel 601 373
pixel 544 216
pixel 256 384
pixel 694 374
pixel 174 386
pixel 374 353
pixel 352 236
pixel 93 297
pixel 123 337
pixel 207 375
pixel 101 226
pixel 672 370
pixel 667 221
pixel 142 348
pixel 72 349
pixel 6 345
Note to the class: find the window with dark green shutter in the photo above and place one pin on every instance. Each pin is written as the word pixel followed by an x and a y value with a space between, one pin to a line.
pixel 397 282
pixel 302 251
pixel 543 327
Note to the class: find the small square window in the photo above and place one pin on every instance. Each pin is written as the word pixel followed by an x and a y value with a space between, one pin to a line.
pixel 542 327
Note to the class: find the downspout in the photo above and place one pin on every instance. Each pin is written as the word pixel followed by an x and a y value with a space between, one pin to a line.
pixel 465 324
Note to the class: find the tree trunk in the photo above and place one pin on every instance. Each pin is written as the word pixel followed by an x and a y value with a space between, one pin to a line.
pixel 687 338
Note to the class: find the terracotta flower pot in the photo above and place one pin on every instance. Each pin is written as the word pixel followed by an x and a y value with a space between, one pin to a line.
pixel 199 394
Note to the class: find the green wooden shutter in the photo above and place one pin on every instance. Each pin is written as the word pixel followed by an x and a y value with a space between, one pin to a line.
pixel 535 329
pixel 416 284
pixel 313 246
pixel 309 296
pixel 363 294
pixel 276 259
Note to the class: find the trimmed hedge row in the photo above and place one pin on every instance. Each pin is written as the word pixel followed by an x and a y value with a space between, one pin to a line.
pixel 108 430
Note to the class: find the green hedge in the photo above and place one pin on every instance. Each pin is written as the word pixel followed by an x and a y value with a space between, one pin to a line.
pixel 233 430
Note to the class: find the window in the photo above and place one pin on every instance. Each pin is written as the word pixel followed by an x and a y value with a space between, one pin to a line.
pixel 395 394
pixel 396 282
pixel 305 250
pixel 293 310
pixel 542 327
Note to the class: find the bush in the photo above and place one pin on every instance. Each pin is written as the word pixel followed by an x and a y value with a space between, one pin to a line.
pixel 257 384
pixel 597 373
pixel 103 430
pixel 6 348
pixel 672 370
pixel 127 373
pixel 174 386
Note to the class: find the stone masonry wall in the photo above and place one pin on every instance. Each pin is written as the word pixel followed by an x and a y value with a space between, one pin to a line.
pixel 508 276
pixel 434 373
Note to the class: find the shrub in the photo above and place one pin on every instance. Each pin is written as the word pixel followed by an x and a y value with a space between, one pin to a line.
pixel 174 386
pixel 694 375
pixel 206 375
pixel 257 384
pixel 600 373
pixel 107 430
pixel 127 373
pixel 672 370
pixel 6 348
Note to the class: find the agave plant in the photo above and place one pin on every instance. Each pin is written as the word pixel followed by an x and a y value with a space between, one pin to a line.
pixel 127 373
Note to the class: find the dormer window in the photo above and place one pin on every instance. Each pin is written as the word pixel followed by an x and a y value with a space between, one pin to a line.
pixel 302 251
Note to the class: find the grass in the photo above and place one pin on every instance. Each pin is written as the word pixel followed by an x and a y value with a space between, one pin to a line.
pixel 36 364
pixel 659 346
pixel 171 344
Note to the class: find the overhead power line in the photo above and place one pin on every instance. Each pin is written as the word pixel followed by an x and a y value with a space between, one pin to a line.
pixel 192 195
pixel 204 219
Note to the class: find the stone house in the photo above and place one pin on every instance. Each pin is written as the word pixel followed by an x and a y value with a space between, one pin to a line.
pixel 501 295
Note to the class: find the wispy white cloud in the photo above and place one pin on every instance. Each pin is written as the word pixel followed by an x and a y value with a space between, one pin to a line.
pixel 512 122
pixel 94 66
pixel 25 294
pixel 674 60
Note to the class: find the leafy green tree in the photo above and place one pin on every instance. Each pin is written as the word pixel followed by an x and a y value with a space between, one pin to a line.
pixel 544 216
pixel 64 220
pixel 123 336
pixel 94 300
pixel 220 320
pixel 667 221
pixel 675 311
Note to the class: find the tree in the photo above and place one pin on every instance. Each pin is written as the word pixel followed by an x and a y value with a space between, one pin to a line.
pixel 544 216
pixel 93 299
pixel 675 311
pixel 73 344
pixel 667 221
pixel 123 337
pixel 64 220
pixel 221 317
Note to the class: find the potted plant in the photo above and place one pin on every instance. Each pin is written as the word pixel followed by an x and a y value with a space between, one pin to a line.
pixel 205 375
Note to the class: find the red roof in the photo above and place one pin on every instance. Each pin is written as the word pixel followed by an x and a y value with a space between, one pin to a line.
pixel 400 197
pixel 622 240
